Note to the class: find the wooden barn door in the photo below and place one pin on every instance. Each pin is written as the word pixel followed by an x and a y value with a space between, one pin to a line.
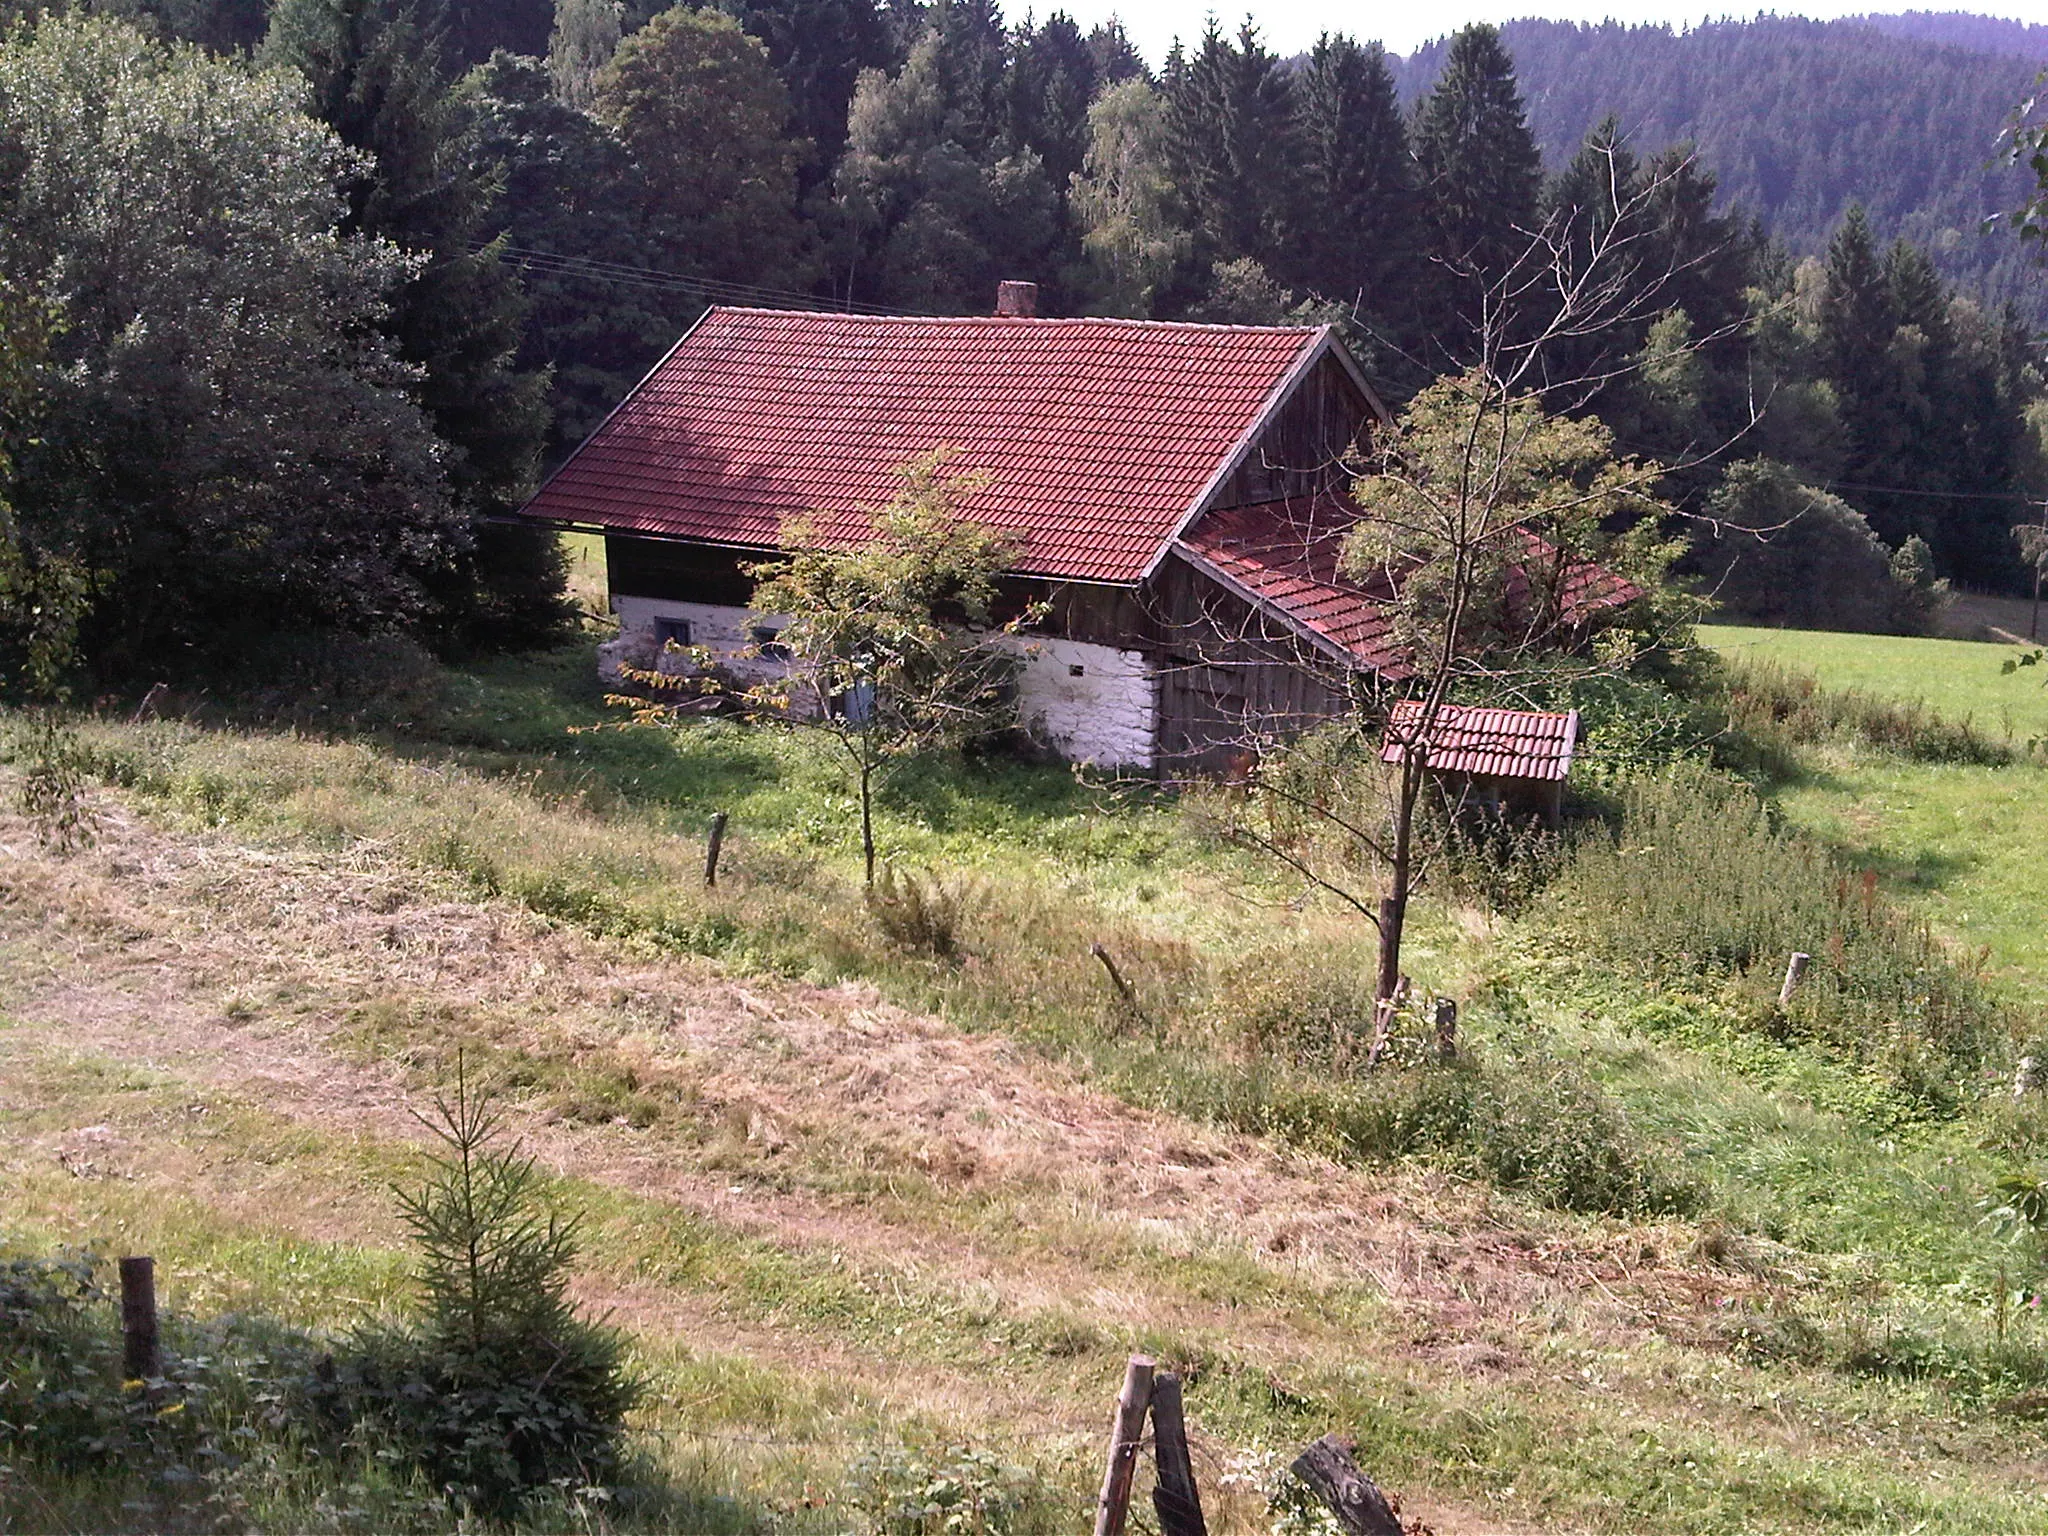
pixel 1201 715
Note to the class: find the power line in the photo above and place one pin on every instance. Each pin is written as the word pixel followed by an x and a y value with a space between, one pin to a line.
pixel 592 269
pixel 1901 490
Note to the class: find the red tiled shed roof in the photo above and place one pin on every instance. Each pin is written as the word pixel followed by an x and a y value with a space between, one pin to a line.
pixel 1284 554
pixel 1098 436
pixel 1498 743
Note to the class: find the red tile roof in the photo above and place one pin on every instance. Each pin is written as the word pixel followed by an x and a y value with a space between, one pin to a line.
pixel 1499 743
pixel 1098 436
pixel 1286 556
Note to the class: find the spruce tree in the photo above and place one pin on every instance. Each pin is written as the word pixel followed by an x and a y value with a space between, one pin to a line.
pixel 374 73
pixel 819 47
pixel 1231 108
pixel 1480 175
pixel 1052 83
pixel 1355 239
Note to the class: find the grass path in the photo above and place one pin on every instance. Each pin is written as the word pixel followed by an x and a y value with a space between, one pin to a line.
pixel 829 1220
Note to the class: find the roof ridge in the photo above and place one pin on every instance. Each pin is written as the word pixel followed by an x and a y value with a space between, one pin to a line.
pixel 1018 320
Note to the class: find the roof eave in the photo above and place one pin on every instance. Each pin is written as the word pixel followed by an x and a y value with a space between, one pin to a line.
pixel 1350 660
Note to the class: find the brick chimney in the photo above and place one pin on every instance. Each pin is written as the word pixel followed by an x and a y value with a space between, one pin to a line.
pixel 1018 301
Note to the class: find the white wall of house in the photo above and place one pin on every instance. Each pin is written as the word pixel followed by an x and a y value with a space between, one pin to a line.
pixel 726 632
pixel 1089 703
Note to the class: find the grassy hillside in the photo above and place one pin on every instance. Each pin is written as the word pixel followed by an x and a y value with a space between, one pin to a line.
pixel 1961 842
pixel 1651 1257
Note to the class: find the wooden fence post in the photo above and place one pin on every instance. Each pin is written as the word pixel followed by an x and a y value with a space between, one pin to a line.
pixel 1447 1029
pixel 141 1359
pixel 1126 1430
pixel 1795 968
pixel 711 851
pixel 1329 1469
pixel 1175 1498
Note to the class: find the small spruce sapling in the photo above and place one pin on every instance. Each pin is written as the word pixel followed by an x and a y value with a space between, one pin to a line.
pixel 501 1389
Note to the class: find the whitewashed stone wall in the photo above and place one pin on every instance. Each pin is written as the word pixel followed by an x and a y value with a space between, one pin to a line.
pixel 1089 703
pixel 726 632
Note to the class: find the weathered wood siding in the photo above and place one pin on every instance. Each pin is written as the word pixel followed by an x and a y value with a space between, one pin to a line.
pixel 1230 675
pixel 1303 446
pixel 668 568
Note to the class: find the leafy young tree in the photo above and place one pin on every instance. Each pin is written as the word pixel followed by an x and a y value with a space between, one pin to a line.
pixel 892 644
pixel 585 36
pixel 704 117
pixel 1125 201
pixel 1487 519
pixel 223 437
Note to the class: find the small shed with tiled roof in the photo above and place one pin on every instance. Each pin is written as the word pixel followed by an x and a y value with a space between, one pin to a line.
pixel 1174 491
pixel 1512 760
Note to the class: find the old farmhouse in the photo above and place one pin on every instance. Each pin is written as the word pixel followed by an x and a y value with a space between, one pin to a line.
pixel 1176 493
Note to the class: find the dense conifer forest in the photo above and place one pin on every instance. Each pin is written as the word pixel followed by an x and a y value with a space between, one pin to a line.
pixel 474 226
pixel 1799 119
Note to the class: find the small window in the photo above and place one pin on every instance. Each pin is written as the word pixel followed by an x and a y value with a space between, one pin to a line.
pixel 765 641
pixel 666 630
pixel 1077 670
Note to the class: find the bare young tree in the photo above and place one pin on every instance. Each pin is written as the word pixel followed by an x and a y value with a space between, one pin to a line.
pixel 1513 549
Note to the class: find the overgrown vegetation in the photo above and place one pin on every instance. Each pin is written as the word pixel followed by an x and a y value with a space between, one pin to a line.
pixel 1628 1064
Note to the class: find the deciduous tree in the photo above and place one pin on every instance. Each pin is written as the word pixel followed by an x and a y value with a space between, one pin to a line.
pixel 225 438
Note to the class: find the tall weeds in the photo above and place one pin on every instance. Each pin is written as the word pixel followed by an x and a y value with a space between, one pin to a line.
pixel 1700 879
pixel 1777 707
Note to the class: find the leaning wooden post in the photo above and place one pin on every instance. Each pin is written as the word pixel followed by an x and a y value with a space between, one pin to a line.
pixel 1332 1474
pixel 1125 1431
pixel 1175 1498
pixel 711 851
pixel 1795 968
pixel 1124 989
pixel 141 1359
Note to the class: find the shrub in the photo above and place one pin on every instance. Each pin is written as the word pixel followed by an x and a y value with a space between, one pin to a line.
pixel 1775 706
pixel 1778 552
pixel 501 1390
pixel 55 768
pixel 1306 1006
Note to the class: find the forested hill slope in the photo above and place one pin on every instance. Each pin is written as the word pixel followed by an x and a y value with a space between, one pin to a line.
pixel 1799 119
pixel 1982 34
